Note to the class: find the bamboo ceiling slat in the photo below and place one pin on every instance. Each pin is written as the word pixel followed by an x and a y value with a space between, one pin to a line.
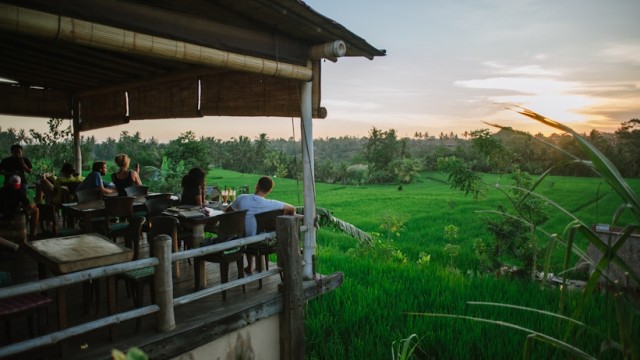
pixel 18 100
pixel 24 20
pixel 103 111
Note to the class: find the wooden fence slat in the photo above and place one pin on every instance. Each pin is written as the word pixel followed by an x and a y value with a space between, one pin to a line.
pixel 290 260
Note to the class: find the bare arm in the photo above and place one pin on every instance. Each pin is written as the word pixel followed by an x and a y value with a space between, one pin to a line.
pixel 26 167
pixel 136 177
pixel 289 209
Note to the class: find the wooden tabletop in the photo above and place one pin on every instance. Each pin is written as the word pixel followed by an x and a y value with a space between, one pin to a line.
pixel 79 252
pixel 193 217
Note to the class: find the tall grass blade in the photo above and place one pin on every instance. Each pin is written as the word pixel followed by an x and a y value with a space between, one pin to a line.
pixel 576 352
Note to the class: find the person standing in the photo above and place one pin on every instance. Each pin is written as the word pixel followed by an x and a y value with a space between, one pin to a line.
pixel 16 164
pixel 94 179
pixel 14 202
pixel 124 177
pixel 254 204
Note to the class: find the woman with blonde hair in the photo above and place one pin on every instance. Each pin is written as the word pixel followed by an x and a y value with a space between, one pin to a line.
pixel 124 177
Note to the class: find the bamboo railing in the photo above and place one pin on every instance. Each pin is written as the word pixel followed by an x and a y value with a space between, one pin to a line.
pixel 288 239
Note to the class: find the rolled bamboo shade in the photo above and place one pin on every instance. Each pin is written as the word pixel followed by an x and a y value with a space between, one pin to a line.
pixel 23 20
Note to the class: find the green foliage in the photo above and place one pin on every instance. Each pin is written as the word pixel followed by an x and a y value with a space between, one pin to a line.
pixel 530 209
pixel 462 177
pixel 51 149
pixel 495 155
pixel 405 348
pixel 133 353
pixel 168 177
pixel 451 232
pixel 379 250
pixel 424 259
pixel 487 262
pixel 188 149
pixel 406 170
pixel 381 149
pixel 392 223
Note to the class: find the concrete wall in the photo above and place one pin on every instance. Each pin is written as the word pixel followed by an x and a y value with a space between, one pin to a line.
pixel 258 341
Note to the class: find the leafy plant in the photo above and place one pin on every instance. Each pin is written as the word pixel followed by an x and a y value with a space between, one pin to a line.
pixel 392 223
pixel 424 259
pixel 405 348
pixel 133 353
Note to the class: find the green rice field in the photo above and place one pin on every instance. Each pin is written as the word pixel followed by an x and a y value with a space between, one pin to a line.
pixel 373 307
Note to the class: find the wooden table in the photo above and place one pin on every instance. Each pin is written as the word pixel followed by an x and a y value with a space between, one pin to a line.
pixel 95 208
pixel 69 254
pixel 197 225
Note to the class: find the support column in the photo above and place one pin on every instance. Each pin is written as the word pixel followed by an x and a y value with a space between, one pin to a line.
pixel 77 153
pixel 308 181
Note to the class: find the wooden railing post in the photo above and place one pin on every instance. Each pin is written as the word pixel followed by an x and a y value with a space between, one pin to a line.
pixel 163 283
pixel 290 261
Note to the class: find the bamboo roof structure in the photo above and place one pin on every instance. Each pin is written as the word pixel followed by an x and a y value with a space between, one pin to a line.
pixel 106 62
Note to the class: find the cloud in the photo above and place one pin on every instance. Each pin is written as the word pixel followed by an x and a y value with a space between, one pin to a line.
pixel 521 70
pixel 354 105
pixel 525 85
pixel 627 53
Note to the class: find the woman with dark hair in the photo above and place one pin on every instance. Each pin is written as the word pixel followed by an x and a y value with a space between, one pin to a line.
pixel 193 185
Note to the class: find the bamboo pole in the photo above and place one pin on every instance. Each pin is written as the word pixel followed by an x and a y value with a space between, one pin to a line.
pixel 76 277
pixel 56 27
pixel 57 336
pixel 163 283
pixel 201 251
pixel 222 287
pixel 9 244
pixel 331 51
pixel 292 317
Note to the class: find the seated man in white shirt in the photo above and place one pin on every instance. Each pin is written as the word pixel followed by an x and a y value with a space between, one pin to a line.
pixel 255 204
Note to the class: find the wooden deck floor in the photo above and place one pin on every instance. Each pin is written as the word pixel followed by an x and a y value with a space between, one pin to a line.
pixel 189 317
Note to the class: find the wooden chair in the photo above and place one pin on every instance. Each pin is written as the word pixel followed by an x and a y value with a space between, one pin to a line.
pixel 266 222
pixel 165 225
pixel 72 186
pixel 117 209
pixel 27 304
pixel 230 226
pixel 136 279
pixel 156 205
pixel 137 190
pixel 49 220
pixel 88 195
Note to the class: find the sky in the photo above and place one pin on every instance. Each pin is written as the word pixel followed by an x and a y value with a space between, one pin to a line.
pixel 455 65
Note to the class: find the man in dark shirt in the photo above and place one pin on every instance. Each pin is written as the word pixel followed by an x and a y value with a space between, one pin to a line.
pixel 13 202
pixel 16 164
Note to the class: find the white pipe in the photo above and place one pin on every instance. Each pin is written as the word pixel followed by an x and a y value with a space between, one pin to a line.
pixel 308 181
pixel 55 27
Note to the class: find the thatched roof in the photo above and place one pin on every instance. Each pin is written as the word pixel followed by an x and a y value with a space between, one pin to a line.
pixel 110 61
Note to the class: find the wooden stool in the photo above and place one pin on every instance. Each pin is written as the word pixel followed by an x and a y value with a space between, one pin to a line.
pixel 27 304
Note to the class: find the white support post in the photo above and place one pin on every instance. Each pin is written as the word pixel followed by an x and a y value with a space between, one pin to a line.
pixel 77 153
pixel 308 181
